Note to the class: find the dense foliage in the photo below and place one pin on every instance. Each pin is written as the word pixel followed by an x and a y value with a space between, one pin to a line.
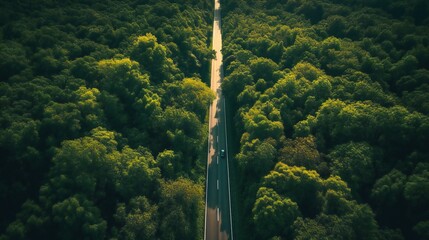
pixel 331 113
pixel 102 122
pixel 104 104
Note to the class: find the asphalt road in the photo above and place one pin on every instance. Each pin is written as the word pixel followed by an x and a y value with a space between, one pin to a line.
pixel 218 221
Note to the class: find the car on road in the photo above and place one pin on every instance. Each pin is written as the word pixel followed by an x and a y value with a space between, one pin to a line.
pixel 222 153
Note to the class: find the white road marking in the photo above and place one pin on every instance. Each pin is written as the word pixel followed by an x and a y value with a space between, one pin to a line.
pixel 227 168
pixel 207 175
pixel 216 79
pixel 218 184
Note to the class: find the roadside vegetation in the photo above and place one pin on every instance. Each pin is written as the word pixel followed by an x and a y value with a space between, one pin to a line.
pixel 103 118
pixel 331 103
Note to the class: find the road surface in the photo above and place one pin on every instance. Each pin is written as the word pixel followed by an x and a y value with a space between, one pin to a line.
pixel 218 220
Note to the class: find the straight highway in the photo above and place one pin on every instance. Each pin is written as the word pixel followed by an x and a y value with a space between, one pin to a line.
pixel 218 220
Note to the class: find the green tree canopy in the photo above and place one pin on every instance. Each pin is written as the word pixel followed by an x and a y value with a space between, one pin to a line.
pixel 273 215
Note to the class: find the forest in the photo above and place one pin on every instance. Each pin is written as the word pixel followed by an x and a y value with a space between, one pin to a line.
pixel 330 103
pixel 103 118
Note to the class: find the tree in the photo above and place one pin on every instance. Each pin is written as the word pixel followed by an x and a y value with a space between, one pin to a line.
pixel 114 110
pixel 62 121
pixel 235 82
pixel 303 49
pixel 85 68
pixel 180 205
pixel 77 217
pixel 13 59
pixel 46 63
pixel 263 68
pixel 182 131
pixel 312 10
pixel 191 94
pixel 139 220
pixel 363 222
pixel 323 227
pixel 153 58
pixel 421 229
pixel 415 192
pixel 405 66
pixel 307 71
pixel 81 166
pixel 31 222
pixel 90 107
pixel 263 121
pixel 388 196
pixel 302 186
pixel 136 172
pixel 300 152
pixel 170 164
pixel 355 164
pixel 273 215
pixel 256 158
pixel 122 77
pixel 336 26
